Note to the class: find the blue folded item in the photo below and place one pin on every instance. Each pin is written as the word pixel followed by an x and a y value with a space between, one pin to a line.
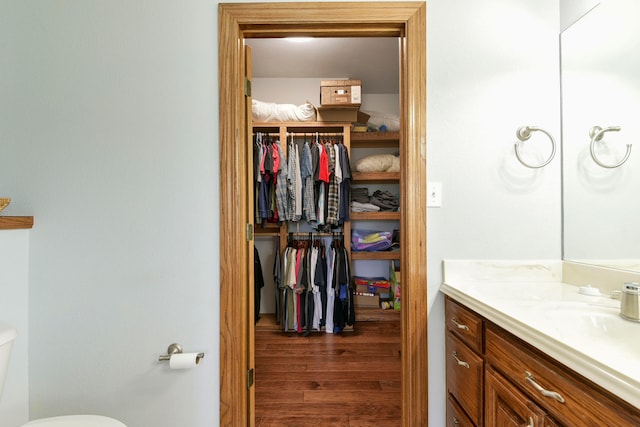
pixel 371 241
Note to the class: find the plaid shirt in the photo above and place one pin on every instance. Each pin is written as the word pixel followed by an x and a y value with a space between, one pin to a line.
pixel 333 199
pixel 307 175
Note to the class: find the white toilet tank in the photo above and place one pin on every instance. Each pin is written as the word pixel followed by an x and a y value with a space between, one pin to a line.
pixel 76 421
pixel 7 335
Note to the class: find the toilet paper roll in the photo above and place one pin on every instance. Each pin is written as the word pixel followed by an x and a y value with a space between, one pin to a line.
pixel 184 360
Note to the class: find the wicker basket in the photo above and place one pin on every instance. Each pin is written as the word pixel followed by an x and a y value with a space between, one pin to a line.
pixel 4 203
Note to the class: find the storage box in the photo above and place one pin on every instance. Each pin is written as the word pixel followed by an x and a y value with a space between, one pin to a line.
pixel 340 93
pixel 372 285
pixel 363 117
pixel 367 301
pixel 343 115
pixel 382 292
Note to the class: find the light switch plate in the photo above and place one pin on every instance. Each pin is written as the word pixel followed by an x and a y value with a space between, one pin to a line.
pixel 434 194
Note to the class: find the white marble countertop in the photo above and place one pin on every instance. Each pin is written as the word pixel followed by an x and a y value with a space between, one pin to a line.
pixel 530 300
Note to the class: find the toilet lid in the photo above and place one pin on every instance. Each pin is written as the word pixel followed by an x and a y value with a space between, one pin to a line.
pixel 75 421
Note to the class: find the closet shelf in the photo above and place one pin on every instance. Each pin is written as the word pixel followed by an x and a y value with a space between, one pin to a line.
pixel 375 139
pixel 374 216
pixel 301 127
pixel 382 255
pixel 15 222
pixel 375 177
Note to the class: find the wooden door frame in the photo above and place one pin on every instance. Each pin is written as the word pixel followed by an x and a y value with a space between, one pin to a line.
pixel 406 20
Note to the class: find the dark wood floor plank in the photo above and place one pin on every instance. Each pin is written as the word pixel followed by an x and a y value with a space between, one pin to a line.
pixel 303 421
pixel 328 385
pixel 360 400
pixel 278 398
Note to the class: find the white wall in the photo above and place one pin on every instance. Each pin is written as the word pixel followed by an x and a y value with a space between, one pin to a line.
pixel 14 294
pixel 492 66
pixel 573 10
pixel 109 137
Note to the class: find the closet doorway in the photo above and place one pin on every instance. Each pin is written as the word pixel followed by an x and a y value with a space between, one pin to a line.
pixel 237 22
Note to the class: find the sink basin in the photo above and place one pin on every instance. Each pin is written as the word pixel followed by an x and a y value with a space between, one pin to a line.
pixel 599 325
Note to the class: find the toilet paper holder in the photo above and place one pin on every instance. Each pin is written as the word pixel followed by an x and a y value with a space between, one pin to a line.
pixel 175 348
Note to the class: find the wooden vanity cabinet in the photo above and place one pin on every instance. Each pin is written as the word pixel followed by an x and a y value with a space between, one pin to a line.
pixel 519 385
pixel 465 361
pixel 567 397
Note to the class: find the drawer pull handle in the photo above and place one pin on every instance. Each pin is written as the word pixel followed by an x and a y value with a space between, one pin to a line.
pixel 455 421
pixel 460 362
pixel 542 391
pixel 459 325
pixel 530 422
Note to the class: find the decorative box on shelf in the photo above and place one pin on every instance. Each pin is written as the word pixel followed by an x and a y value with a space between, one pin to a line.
pixel 340 93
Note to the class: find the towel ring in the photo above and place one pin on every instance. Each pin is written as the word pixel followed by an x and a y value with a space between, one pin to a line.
pixel 596 133
pixel 523 134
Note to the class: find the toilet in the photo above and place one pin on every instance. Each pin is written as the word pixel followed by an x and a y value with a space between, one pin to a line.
pixel 75 421
pixel 7 336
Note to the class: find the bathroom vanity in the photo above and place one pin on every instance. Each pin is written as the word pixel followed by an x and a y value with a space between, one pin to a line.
pixel 525 348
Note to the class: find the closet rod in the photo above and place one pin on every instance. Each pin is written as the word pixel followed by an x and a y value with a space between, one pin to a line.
pixel 317 234
pixel 257 233
pixel 315 133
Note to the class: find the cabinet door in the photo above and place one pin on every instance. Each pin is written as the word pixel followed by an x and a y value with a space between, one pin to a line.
pixel 506 406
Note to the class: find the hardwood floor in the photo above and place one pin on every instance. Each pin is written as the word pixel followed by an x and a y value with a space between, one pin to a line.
pixel 351 379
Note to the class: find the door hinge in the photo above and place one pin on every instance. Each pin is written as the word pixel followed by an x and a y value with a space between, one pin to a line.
pixel 249 232
pixel 247 87
pixel 249 378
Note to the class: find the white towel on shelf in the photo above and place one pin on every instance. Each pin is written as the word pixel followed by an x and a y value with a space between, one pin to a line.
pixel 364 207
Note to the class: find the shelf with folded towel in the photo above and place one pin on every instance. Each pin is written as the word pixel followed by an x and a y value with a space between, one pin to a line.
pixel 15 222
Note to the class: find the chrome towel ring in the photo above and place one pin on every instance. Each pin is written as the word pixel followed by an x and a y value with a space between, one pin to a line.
pixel 596 133
pixel 523 134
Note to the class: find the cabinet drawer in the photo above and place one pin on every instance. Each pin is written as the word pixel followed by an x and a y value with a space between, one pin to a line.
pixel 456 416
pixel 465 377
pixel 466 324
pixel 569 398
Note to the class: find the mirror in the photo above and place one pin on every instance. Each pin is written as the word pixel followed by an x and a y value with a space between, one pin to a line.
pixel 600 57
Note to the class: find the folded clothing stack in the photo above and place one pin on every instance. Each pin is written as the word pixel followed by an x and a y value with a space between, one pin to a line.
pixel 360 194
pixel 371 241
pixel 385 200
pixel 364 207
pixel 380 200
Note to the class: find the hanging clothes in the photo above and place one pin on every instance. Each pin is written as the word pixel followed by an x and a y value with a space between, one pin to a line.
pixel 312 289
pixel 281 184
pixel 334 186
pixel 258 281
pixel 277 281
pixel 268 169
pixel 309 187
pixel 345 185
pixel 344 310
